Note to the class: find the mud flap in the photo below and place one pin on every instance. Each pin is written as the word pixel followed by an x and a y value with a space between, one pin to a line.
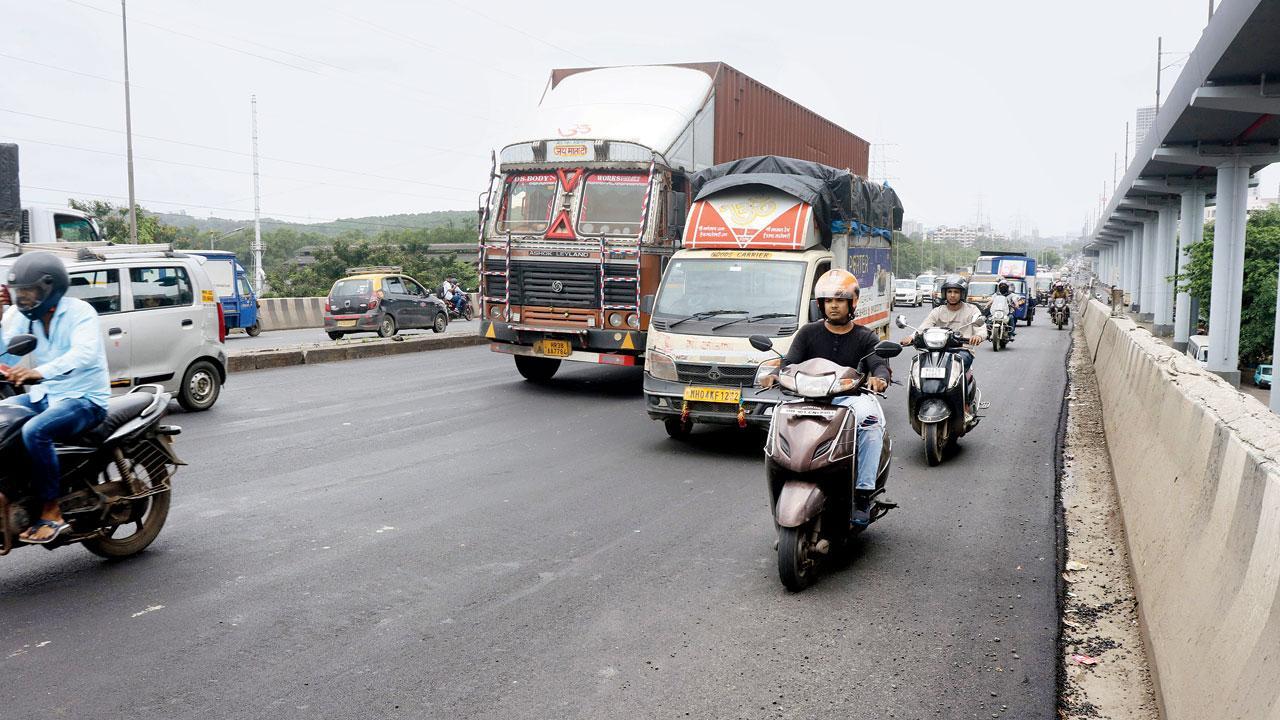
pixel 932 410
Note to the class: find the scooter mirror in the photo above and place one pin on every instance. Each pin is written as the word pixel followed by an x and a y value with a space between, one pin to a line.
pixel 888 349
pixel 761 343
pixel 21 345
pixel 900 321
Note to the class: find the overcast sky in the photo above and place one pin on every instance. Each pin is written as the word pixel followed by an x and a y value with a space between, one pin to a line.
pixel 390 106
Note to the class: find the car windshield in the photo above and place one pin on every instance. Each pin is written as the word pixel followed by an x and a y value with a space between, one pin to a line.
pixel 982 288
pixel 905 284
pixel 1044 283
pixel 753 287
pixel 352 288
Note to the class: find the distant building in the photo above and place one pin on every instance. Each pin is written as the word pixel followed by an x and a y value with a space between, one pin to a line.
pixel 1255 204
pixel 1146 118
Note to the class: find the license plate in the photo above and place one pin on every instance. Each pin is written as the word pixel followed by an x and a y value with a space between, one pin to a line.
pixel 933 373
pixel 553 348
pixel 713 395
pixel 346 323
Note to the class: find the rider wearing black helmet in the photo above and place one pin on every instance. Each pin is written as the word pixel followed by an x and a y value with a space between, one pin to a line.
pixel 68 386
pixel 957 315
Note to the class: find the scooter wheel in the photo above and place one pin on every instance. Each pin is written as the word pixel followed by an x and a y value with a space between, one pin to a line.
pixel 794 567
pixel 935 442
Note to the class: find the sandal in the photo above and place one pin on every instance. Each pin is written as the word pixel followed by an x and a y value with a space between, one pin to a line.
pixel 57 527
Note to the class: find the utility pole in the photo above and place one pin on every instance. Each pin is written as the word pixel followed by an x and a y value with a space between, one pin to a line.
pixel 259 274
pixel 1126 146
pixel 1159 60
pixel 128 129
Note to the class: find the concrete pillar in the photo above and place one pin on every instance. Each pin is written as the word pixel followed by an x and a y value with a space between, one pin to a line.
pixel 1228 270
pixel 1147 282
pixel 1135 270
pixel 1191 232
pixel 1275 353
pixel 1162 291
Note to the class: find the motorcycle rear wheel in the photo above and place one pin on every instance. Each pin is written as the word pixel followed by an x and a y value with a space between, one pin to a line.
pixel 148 523
pixel 935 442
pixel 794 567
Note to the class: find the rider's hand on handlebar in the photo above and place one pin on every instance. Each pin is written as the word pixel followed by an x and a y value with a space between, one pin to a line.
pixel 23 376
pixel 908 339
pixel 876 384
pixel 975 340
pixel 768 380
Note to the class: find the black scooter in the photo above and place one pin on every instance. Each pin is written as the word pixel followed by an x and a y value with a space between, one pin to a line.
pixel 115 478
pixel 942 400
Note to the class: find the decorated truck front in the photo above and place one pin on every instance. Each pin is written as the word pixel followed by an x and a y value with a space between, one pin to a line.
pixel 759 235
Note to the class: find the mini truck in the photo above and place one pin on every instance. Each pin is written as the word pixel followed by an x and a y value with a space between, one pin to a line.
pixel 239 302
pixel 585 210
pixel 760 233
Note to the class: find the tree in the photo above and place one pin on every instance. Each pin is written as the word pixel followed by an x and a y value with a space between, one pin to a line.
pixel 114 222
pixel 1258 309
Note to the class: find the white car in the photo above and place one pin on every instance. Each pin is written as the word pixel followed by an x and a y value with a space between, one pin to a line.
pixel 161 320
pixel 907 292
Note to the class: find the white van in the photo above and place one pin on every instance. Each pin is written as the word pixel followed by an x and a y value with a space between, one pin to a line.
pixel 161 320
pixel 1198 349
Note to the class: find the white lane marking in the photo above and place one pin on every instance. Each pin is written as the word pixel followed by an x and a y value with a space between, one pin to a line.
pixel 150 609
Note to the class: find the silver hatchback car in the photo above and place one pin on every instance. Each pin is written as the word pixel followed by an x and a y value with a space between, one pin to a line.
pixel 161 321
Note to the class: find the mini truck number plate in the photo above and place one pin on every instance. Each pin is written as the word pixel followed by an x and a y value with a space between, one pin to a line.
pixel 731 396
pixel 553 348
pixel 933 373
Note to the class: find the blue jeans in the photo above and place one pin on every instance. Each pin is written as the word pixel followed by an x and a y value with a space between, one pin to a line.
pixel 869 419
pixel 64 420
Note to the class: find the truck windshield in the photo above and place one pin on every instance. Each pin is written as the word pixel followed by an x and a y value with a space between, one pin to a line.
pixel 755 287
pixel 526 206
pixel 612 204
pixel 982 289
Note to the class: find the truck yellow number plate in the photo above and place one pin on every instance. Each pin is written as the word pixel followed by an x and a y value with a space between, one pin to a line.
pixel 346 323
pixel 553 348
pixel 713 395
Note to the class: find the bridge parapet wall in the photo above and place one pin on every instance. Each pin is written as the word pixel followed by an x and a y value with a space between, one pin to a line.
pixel 1197 469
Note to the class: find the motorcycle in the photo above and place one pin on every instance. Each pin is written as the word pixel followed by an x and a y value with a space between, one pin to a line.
pixel 1060 312
pixel 116 477
pixel 810 457
pixel 467 312
pixel 998 329
pixel 942 400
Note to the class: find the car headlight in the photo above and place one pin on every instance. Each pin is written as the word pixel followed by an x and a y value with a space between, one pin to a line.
pixel 661 366
pixel 813 385
pixel 768 367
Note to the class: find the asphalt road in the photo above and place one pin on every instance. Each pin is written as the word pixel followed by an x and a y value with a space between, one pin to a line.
pixel 428 536
pixel 239 342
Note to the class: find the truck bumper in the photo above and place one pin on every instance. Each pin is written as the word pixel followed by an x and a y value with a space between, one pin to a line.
pixel 601 347
pixel 664 400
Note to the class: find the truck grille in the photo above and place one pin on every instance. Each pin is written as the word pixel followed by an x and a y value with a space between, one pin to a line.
pixel 713 374
pixel 549 284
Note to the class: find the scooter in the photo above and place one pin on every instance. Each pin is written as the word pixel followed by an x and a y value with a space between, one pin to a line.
pixel 998 325
pixel 810 463
pixel 942 399
pixel 1060 311
pixel 116 477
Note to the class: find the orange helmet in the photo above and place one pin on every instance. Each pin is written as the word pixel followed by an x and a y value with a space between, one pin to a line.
pixel 837 284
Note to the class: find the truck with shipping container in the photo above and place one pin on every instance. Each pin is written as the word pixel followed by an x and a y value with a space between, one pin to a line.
pixel 760 233
pixel 585 209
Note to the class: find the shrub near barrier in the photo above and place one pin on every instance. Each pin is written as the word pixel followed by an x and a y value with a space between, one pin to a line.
pixel 1197 468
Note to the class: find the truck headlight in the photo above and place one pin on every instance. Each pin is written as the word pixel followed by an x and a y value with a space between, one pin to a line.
pixel 768 367
pixel 661 367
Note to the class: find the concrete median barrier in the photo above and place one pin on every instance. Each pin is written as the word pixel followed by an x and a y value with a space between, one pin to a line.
pixel 313 354
pixel 1197 469
pixel 301 312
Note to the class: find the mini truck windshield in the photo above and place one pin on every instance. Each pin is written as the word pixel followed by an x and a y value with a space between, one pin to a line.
pixel 754 289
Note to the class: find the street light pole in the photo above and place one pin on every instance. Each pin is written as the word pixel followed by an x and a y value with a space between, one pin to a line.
pixel 128 129
pixel 224 236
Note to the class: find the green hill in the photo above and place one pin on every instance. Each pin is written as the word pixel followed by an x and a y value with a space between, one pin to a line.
pixel 370 225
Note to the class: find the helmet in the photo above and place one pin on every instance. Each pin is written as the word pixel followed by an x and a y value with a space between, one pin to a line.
pixel 45 274
pixel 957 283
pixel 1002 288
pixel 836 284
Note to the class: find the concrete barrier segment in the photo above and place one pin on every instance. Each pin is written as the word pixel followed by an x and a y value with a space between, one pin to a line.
pixel 1197 469
pixel 264 359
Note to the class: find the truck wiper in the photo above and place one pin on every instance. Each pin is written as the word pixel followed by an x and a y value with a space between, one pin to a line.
pixel 754 318
pixel 705 314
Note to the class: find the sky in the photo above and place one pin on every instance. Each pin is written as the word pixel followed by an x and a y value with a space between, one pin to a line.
pixel 1005 110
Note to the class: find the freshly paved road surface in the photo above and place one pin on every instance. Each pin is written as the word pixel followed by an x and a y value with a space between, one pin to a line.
pixel 427 536
pixel 238 341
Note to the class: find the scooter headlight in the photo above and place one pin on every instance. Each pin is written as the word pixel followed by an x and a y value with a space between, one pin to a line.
pixel 814 385
pixel 660 366
pixel 936 338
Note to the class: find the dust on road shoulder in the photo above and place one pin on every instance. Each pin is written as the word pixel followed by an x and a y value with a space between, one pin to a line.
pixel 1105 668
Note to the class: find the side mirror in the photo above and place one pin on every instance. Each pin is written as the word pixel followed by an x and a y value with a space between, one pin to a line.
pixel 21 345
pixel 646 304
pixel 888 349
pixel 815 311
pixel 759 342
pixel 900 321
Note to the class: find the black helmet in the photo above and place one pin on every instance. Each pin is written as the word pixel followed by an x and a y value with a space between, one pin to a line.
pixel 45 274
pixel 958 283
pixel 1003 288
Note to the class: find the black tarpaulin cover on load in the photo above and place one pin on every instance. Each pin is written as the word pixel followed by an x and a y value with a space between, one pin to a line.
pixel 835 195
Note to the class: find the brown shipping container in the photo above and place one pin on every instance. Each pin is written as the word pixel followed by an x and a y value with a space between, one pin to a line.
pixel 753 119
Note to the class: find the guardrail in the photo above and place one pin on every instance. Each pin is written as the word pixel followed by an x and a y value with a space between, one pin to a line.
pixel 1197 469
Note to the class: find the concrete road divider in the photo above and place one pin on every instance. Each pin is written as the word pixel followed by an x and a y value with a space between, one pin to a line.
pixel 1197 468
pixel 291 313
pixel 348 350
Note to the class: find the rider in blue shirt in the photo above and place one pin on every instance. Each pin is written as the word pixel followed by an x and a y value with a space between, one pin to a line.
pixel 69 385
